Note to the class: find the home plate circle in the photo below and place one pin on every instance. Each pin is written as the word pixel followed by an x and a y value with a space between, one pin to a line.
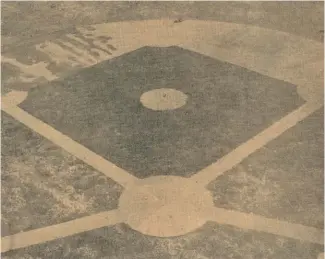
pixel 165 206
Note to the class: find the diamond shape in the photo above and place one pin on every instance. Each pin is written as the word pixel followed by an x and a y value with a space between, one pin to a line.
pixel 100 108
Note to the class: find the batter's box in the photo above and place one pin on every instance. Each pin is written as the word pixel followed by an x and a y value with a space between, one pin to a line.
pixel 113 109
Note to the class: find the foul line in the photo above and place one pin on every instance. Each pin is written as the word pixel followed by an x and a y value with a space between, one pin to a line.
pixel 54 232
pixel 210 173
pixel 99 163
pixel 272 226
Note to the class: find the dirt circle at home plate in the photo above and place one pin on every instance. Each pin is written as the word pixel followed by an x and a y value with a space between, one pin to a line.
pixel 165 206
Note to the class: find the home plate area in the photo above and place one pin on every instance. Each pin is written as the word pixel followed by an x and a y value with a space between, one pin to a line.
pixel 163 152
